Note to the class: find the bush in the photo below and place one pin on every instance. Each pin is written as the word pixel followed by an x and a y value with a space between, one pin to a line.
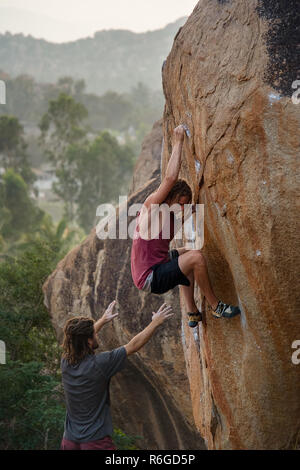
pixel 31 407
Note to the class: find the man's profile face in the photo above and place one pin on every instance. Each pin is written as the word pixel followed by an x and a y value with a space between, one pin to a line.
pixel 93 342
pixel 182 201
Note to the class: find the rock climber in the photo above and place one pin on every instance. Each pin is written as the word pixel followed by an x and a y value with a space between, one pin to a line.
pixel 154 268
pixel 86 376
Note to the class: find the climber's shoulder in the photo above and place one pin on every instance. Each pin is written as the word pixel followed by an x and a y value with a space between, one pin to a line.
pixel 160 195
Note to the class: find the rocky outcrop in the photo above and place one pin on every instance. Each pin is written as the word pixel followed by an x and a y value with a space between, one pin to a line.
pixel 225 80
pixel 150 398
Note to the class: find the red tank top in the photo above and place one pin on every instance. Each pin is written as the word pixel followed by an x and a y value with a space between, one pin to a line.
pixel 147 253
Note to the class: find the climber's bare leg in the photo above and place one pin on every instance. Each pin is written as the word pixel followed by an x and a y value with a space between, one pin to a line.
pixel 193 262
pixel 188 294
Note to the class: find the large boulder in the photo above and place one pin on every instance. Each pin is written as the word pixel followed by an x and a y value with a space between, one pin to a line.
pixel 150 398
pixel 229 79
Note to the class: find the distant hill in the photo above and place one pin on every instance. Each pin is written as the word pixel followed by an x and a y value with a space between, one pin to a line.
pixel 110 60
pixel 20 20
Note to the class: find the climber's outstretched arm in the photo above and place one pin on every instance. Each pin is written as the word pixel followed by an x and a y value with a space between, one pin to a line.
pixel 172 172
pixel 142 338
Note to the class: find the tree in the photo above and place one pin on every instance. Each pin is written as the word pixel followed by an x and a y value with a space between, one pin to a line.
pixel 13 148
pixel 60 130
pixel 71 86
pixel 61 126
pixel 103 172
pixel 19 211
pixel 91 174
pixel 88 172
pixel 31 401
pixel 24 320
pixel 114 110
pixel 31 407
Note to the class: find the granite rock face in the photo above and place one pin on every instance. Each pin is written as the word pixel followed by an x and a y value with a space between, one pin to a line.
pixel 229 80
pixel 150 398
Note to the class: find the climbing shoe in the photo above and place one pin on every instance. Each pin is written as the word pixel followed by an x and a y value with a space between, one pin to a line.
pixel 194 318
pixel 226 311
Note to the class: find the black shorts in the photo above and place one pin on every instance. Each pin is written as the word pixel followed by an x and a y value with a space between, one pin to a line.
pixel 166 276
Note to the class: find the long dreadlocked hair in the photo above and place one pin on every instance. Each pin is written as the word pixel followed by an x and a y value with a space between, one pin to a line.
pixel 77 331
pixel 180 189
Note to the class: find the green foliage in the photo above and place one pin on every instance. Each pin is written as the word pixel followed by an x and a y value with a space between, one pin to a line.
pixel 24 320
pixel 88 172
pixel 132 112
pixel 103 173
pixel 109 111
pixel 60 126
pixel 123 441
pixel 13 147
pixel 24 96
pixel 60 129
pixel 71 87
pixel 20 213
pixel 11 133
pixel 31 402
pixel 31 407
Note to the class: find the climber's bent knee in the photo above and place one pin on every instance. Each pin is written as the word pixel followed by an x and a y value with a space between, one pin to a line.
pixel 197 257
pixel 190 260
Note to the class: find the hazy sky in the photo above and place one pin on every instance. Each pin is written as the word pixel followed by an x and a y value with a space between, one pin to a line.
pixel 66 20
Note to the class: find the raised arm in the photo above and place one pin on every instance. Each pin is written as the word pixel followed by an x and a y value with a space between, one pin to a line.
pixel 172 171
pixel 106 317
pixel 142 338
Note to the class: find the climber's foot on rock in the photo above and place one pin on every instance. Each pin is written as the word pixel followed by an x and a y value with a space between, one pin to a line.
pixel 225 311
pixel 194 318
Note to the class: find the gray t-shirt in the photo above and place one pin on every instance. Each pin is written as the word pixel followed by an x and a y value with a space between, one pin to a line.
pixel 86 387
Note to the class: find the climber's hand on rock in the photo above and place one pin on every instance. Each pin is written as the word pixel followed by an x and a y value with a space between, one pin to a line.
pixel 178 134
pixel 163 314
pixel 109 314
